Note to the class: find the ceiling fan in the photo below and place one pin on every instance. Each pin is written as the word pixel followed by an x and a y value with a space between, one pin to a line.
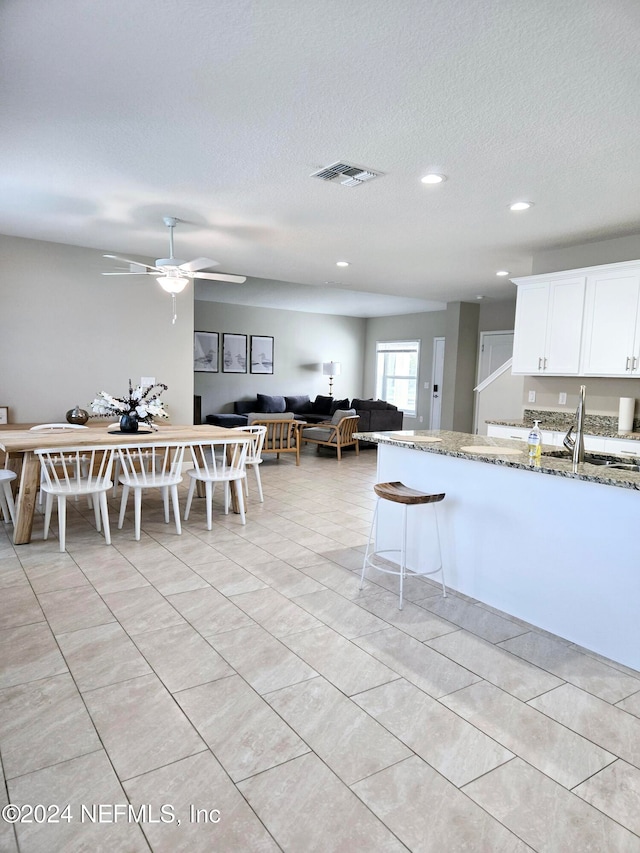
pixel 172 273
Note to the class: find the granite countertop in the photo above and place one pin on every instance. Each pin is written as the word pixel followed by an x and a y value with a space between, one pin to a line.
pixel 602 425
pixel 452 443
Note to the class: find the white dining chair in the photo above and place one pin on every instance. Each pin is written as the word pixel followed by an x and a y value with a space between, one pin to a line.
pixel 150 466
pixel 6 495
pixel 76 471
pixel 254 456
pixel 55 428
pixel 218 461
pixel 116 461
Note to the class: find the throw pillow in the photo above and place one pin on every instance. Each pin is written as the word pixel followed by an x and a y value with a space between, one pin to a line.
pixel 339 404
pixel 322 405
pixel 339 414
pixel 299 405
pixel 269 404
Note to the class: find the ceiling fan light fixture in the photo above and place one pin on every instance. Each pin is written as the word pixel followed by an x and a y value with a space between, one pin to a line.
pixel 433 178
pixel 172 283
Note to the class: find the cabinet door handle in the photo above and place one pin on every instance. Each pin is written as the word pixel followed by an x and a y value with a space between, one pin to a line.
pixel 635 363
pixel 540 364
pixel 628 360
pixel 544 363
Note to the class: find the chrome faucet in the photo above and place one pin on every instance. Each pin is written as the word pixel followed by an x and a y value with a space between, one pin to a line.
pixel 576 445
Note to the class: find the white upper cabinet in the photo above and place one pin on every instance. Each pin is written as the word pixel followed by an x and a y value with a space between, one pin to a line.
pixel 611 342
pixel 548 325
pixel 582 322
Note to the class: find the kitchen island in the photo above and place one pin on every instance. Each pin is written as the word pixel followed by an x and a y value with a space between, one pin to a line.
pixel 556 549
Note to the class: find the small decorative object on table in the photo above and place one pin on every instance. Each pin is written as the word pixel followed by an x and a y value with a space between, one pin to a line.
pixel 77 416
pixel 140 406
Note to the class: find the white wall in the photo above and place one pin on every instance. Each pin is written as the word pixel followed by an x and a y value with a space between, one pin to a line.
pixel 67 332
pixel 302 341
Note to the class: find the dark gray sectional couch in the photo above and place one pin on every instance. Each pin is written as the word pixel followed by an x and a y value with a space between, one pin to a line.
pixel 375 415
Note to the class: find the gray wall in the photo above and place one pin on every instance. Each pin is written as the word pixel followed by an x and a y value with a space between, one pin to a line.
pixel 460 366
pixel 498 316
pixel 422 327
pixel 587 254
pixel 67 332
pixel 302 341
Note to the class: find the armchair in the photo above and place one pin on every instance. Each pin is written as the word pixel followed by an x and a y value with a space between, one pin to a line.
pixel 336 435
pixel 283 433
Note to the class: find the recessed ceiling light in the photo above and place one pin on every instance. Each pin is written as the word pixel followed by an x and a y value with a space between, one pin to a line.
pixel 521 205
pixel 432 178
pixel 342 263
pixel 502 272
pixel 479 297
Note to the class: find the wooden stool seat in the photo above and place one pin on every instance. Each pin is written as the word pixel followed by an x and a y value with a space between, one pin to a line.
pixel 401 494
pixel 398 493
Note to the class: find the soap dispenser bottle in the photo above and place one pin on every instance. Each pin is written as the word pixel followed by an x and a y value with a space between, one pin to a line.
pixel 534 444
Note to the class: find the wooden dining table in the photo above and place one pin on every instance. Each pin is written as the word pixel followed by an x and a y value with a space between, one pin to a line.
pixel 20 443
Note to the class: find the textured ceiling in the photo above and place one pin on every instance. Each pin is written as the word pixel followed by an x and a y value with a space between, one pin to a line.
pixel 116 113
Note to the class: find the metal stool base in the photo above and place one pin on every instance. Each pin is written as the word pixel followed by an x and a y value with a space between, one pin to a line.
pixel 402 572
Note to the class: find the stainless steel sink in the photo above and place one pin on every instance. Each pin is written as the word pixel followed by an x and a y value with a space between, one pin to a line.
pixel 625 466
pixel 598 459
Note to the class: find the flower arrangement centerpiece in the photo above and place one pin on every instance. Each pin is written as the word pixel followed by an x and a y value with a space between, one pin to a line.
pixel 141 405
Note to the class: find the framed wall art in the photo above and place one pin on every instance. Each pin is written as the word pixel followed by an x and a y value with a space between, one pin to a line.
pixel 205 352
pixel 261 360
pixel 234 353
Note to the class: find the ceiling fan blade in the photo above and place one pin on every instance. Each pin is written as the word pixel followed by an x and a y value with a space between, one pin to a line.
pixel 198 264
pixel 220 276
pixel 129 261
pixel 128 272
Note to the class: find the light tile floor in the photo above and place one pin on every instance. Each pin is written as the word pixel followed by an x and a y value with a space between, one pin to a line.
pixel 233 690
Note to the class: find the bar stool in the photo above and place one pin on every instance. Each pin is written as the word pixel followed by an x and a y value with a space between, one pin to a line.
pixel 399 493
pixel 6 495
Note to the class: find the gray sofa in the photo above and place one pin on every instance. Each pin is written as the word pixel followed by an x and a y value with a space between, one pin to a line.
pixel 375 415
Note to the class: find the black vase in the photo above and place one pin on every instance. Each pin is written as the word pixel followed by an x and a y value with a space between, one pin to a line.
pixel 129 423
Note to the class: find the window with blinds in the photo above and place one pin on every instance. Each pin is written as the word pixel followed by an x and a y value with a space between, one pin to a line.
pixel 397 374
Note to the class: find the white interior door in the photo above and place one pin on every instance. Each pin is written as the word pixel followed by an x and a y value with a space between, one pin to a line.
pixel 495 349
pixel 436 383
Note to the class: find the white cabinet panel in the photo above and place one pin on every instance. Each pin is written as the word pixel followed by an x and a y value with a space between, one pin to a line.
pixel 564 327
pixel 522 433
pixel 548 327
pixel 530 328
pixel 517 433
pixel 593 443
pixel 622 447
pixel 611 340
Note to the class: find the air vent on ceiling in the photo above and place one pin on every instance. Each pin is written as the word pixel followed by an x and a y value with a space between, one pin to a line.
pixel 352 176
